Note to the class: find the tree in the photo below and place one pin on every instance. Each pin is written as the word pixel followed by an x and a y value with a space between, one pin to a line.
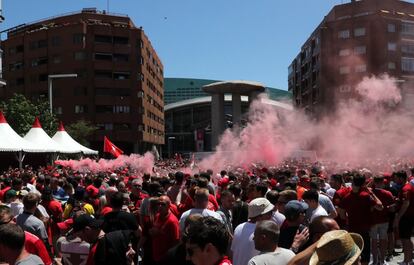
pixel 81 130
pixel 21 113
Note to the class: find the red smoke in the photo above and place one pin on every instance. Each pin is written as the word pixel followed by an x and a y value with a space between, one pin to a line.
pixel 139 164
pixel 373 126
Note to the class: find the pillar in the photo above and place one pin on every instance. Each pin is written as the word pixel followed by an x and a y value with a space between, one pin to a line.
pixel 236 104
pixel 217 118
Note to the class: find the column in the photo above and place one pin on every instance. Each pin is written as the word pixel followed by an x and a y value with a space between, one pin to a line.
pixel 236 104
pixel 217 118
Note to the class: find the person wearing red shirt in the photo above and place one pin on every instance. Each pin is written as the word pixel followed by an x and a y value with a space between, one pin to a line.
pixel 358 205
pixel 6 187
pixel 207 242
pixel 32 243
pixel 404 219
pixel 337 183
pixel 165 232
pixel 380 221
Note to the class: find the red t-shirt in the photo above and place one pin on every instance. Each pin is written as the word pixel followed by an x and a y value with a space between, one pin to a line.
pixel 358 206
pixel 379 217
pixel 54 208
pixel 35 245
pixel 105 210
pixel 213 201
pixel 407 193
pixel 2 192
pixel 224 261
pixel 91 256
pixel 340 194
pixel 168 236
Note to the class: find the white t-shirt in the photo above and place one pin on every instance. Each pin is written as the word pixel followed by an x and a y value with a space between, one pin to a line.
pixel 320 211
pixel 280 256
pixel 278 218
pixel 242 245
pixel 203 212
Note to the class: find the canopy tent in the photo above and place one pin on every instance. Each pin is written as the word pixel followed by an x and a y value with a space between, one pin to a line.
pixel 10 141
pixel 39 138
pixel 66 141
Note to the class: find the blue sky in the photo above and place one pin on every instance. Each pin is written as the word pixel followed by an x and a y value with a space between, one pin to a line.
pixel 212 39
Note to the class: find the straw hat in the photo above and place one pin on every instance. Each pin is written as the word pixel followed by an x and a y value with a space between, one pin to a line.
pixel 337 247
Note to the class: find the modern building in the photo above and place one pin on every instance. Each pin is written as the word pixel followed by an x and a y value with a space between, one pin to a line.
pixel 178 89
pixel 188 122
pixel 119 83
pixel 354 40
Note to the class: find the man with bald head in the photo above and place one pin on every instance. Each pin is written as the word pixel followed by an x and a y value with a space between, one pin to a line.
pixel 266 238
pixel 166 230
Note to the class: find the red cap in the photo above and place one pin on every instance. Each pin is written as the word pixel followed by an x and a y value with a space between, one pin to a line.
pixel 36 123
pixel 273 183
pixel 61 128
pixel 92 191
pixel 2 118
pixel 65 225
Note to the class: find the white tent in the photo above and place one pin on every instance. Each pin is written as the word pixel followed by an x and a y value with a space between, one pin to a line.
pixel 66 141
pixel 10 141
pixel 39 138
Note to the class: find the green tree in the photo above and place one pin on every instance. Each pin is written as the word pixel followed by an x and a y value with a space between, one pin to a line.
pixel 21 113
pixel 81 130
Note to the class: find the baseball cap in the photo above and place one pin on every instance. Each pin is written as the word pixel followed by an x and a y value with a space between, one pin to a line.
pixel 10 194
pixel 295 207
pixel 85 220
pixel 92 191
pixel 259 206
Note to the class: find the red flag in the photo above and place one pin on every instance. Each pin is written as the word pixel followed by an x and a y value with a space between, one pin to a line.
pixel 109 147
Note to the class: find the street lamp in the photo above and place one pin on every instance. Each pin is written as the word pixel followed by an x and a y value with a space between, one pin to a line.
pixel 50 85
pixel 170 139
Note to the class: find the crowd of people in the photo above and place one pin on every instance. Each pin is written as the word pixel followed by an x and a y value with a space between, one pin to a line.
pixel 297 214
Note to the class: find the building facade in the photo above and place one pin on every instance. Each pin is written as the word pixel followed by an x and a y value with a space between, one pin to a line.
pixel 119 83
pixel 354 40
pixel 188 118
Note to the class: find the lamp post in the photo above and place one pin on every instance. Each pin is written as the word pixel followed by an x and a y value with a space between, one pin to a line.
pixel 170 140
pixel 50 85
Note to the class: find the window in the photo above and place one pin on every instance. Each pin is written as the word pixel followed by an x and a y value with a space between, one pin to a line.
pixel 103 39
pixel 120 109
pixel 141 127
pixel 358 32
pixel 343 34
pixel 345 88
pixel 407 28
pixel 407 64
pixel 56 59
pixel 56 41
pixel 105 126
pixel 57 110
pixel 392 46
pixel 140 94
pixel 407 48
pixel 80 56
pixel 121 40
pixel 81 108
pixel 391 28
pixel 391 66
pixel 16 66
pixel 344 52
pixel 42 44
pixel 361 68
pixel 20 81
pixel 39 61
pixel 79 38
pixel 103 74
pixel 360 50
pixel 103 56
pixel 343 70
pixel 141 60
pixel 121 57
pixel 121 75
